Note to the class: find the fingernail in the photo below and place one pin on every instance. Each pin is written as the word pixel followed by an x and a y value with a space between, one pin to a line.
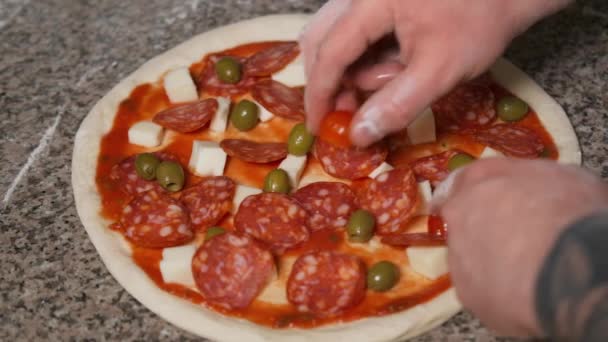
pixel 365 133
pixel 443 191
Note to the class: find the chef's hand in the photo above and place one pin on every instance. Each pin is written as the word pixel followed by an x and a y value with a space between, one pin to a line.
pixel 438 44
pixel 503 216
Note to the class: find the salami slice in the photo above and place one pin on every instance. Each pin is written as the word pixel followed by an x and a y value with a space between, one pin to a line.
pixel 125 175
pixel 433 168
pixel 254 152
pixel 329 204
pixel 349 162
pixel 212 85
pixel 392 197
pixel 275 219
pixel 326 283
pixel 512 140
pixel 280 99
pixel 187 117
pixel 231 269
pixel 468 106
pixel 154 219
pixel 209 201
pixel 269 61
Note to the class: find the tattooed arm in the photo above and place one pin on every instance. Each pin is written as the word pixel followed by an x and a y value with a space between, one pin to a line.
pixel 572 288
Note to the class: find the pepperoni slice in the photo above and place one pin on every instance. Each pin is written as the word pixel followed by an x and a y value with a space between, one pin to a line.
pixel 326 283
pixel 329 204
pixel 392 197
pixel 212 85
pixel 280 99
pixel 254 152
pixel 154 219
pixel 188 117
pixel 349 162
pixel 512 140
pixel 433 168
pixel 275 219
pixel 269 61
pixel 468 106
pixel 126 176
pixel 209 201
pixel 231 269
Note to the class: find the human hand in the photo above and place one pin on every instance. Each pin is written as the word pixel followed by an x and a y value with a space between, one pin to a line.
pixel 438 44
pixel 503 217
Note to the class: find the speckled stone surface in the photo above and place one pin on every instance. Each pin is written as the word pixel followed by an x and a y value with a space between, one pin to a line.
pixel 57 58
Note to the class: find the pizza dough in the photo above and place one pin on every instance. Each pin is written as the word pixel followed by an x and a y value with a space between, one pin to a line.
pixel 203 322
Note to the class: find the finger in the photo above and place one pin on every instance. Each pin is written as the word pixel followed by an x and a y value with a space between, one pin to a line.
pixel 377 76
pixel 347 100
pixel 345 42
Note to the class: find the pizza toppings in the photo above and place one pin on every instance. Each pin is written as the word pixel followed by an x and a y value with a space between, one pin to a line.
pixel 125 175
pixel 275 219
pixel 431 262
pixel 210 82
pixel 209 201
pixel 300 140
pixel 179 86
pixel 413 239
pixel 155 220
pixel 382 276
pixel 244 115
pixel 326 283
pixel 392 197
pixel 269 61
pixel 228 70
pixel 146 133
pixel 335 128
pixel 512 140
pixel 434 168
pixel 279 99
pixel 360 227
pixel 459 160
pixel 349 162
pixel 170 175
pixel 254 152
pixel 277 180
pixel 329 204
pixel 231 269
pixel 207 158
pixel 145 165
pixel 511 108
pixel 212 232
pixel 188 117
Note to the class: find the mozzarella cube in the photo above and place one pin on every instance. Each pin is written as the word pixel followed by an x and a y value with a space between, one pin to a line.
pixel 380 169
pixel 176 265
pixel 241 192
pixel 292 75
pixel 489 152
pixel 179 86
pixel 220 119
pixel 422 129
pixel 431 262
pixel 294 166
pixel 424 190
pixel 207 158
pixel 146 133
pixel 263 114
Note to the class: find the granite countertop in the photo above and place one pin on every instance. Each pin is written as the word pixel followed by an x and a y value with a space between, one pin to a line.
pixel 57 58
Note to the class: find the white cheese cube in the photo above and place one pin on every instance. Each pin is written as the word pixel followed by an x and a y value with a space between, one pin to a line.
pixel 207 158
pixel 489 152
pixel 176 265
pixel 146 133
pixel 422 129
pixel 263 113
pixel 220 119
pixel 179 86
pixel 431 262
pixel 294 166
pixel 424 190
pixel 241 192
pixel 292 75
pixel 380 169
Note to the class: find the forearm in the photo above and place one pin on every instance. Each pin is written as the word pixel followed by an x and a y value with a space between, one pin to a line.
pixel 572 287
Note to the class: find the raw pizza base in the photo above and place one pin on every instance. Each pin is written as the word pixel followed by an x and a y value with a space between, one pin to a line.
pixel 195 318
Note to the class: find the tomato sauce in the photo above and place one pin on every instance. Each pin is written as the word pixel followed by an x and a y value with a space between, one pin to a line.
pixel 148 99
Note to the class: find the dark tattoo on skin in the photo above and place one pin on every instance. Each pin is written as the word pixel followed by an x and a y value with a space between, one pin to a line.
pixel 572 288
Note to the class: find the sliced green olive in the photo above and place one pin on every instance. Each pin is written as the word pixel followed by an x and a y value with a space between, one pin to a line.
pixel 545 153
pixel 228 70
pixel 511 108
pixel 300 140
pixel 277 180
pixel 244 115
pixel 145 165
pixel 459 160
pixel 360 227
pixel 213 232
pixel 170 175
pixel 382 276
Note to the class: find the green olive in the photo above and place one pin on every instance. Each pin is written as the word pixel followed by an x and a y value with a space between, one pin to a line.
pixel 382 276
pixel 244 115
pixel 170 175
pixel 145 165
pixel 360 227
pixel 545 153
pixel 213 232
pixel 300 140
pixel 511 108
pixel 277 180
pixel 459 160
pixel 228 70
